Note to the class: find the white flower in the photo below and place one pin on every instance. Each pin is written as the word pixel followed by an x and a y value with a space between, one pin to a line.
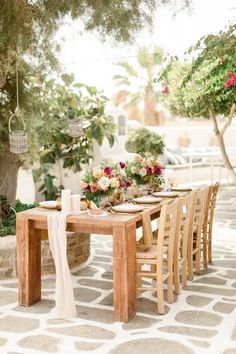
pixel 114 182
pixel 142 172
pixel 104 183
pixel 122 173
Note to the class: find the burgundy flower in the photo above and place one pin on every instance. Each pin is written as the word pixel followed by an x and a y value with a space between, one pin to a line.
pixel 107 170
pixel 149 170
pixel 158 170
pixel 123 184
pixel 122 164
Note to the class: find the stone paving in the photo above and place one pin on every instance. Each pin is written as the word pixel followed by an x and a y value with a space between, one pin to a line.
pixel 202 320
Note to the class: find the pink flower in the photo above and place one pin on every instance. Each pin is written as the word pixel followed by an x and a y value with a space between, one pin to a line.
pixel 107 170
pixel 165 91
pixel 149 170
pixel 231 81
pixel 94 188
pixel 122 164
pixel 158 170
pixel 123 184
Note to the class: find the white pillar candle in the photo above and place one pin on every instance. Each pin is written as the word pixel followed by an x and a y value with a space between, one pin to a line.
pixel 75 202
pixel 66 200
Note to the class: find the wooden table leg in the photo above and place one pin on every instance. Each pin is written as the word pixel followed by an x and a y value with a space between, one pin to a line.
pixel 124 272
pixel 28 244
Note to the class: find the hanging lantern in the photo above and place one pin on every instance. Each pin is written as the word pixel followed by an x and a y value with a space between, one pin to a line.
pixel 17 138
pixel 75 128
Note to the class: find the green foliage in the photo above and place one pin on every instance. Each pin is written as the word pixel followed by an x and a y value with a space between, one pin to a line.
pixel 8 223
pixel 196 88
pixel 142 140
pixel 58 104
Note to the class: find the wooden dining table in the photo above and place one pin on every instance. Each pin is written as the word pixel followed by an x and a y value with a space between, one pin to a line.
pixel 122 228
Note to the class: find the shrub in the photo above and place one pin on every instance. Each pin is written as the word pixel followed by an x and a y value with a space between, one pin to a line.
pixel 142 140
pixel 8 220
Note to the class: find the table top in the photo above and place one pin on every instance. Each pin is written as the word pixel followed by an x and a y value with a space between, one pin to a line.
pixel 40 214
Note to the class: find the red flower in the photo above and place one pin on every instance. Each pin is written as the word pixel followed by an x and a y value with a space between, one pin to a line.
pixel 165 91
pixel 230 74
pixel 149 170
pixel 122 164
pixel 107 170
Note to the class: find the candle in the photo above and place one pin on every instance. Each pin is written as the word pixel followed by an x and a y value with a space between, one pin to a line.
pixel 75 202
pixel 66 200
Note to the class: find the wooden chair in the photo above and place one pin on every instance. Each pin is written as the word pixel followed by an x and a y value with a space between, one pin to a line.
pixel 195 231
pixel 186 206
pixel 159 258
pixel 208 224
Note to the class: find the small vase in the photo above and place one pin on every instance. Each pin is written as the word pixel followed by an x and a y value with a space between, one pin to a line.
pixel 117 197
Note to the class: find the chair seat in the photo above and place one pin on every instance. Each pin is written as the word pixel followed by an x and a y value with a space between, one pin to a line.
pixel 149 254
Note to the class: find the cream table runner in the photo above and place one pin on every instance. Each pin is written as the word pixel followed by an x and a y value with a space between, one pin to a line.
pixel 65 302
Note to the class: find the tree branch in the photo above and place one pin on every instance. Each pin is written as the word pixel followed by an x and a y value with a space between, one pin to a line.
pixel 229 119
pixel 216 126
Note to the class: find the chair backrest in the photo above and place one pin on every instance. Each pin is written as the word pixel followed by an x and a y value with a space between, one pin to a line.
pixel 210 204
pixel 166 231
pixel 200 208
pixel 185 218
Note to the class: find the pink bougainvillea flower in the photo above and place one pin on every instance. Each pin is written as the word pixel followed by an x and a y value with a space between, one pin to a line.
pixel 122 164
pixel 231 81
pixel 149 171
pixel 123 184
pixel 165 91
pixel 107 170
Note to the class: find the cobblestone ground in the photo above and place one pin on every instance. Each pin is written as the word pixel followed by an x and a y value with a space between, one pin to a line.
pixel 202 320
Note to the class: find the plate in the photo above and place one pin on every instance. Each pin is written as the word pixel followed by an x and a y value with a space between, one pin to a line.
pixel 166 194
pixel 96 212
pixel 127 208
pixel 181 189
pixel 48 204
pixel 148 200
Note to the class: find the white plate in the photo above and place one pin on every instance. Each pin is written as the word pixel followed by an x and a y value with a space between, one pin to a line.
pixel 166 194
pixel 49 204
pixel 148 200
pixel 127 208
pixel 181 189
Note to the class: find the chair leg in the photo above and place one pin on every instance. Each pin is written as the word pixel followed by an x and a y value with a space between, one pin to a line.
pixel 184 272
pixel 160 295
pixel 204 251
pixel 170 295
pixel 138 278
pixel 197 260
pixel 176 276
pixel 190 263
pixel 209 248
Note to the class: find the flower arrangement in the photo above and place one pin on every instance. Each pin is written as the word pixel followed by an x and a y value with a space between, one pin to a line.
pixel 145 170
pixel 104 180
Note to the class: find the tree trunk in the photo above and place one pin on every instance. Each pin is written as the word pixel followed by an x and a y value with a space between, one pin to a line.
pixel 151 116
pixel 9 166
pixel 221 142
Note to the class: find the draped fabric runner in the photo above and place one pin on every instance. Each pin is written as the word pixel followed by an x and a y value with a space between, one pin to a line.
pixel 65 302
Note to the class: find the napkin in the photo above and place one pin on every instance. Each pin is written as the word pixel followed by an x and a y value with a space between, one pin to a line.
pixel 147 232
pixel 65 302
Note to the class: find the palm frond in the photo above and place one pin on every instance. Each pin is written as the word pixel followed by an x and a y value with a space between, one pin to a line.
pixel 128 68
